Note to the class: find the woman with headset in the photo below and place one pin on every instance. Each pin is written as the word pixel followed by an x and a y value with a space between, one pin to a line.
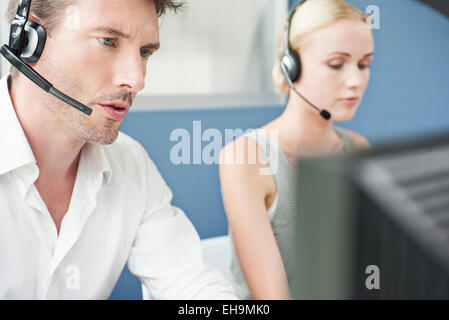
pixel 324 53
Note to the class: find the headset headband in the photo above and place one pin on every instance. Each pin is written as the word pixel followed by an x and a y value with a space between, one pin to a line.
pixel 290 63
pixel 287 48
pixel 17 34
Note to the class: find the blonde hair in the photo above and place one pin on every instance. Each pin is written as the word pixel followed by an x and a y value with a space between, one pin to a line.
pixel 309 17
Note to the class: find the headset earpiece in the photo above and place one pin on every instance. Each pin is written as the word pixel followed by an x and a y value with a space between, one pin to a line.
pixel 34 42
pixel 26 43
pixel 292 64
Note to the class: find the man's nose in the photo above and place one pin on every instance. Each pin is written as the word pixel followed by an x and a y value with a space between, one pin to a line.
pixel 130 73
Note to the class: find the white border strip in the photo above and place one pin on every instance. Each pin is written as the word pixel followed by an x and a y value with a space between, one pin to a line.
pixel 216 101
pixel 4 35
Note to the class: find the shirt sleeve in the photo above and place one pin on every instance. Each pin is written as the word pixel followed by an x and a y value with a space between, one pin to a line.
pixel 167 255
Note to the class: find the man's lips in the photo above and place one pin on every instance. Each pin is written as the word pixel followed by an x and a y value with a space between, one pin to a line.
pixel 116 105
pixel 116 110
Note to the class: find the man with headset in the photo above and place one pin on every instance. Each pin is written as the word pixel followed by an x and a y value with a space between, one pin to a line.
pixel 78 199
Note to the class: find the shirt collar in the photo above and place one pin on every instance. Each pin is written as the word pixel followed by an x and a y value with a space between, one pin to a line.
pixel 95 161
pixel 16 152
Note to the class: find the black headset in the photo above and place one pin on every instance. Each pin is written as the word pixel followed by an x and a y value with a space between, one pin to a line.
pixel 26 44
pixel 291 62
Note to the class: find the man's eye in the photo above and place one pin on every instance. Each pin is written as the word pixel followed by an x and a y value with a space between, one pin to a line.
pixel 145 53
pixel 107 41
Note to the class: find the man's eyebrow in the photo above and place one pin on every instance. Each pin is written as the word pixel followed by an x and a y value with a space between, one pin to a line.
pixel 118 33
pixel 349 55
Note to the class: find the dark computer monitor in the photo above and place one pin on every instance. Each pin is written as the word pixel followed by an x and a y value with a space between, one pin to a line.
pixel 374 225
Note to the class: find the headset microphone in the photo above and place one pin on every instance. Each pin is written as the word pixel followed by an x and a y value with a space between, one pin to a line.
pixel 26 43
pixel 291 63
pixel 324 113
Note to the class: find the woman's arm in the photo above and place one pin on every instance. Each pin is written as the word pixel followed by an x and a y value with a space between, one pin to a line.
pixel 244 192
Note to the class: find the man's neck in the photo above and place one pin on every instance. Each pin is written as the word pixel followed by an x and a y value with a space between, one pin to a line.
pixel 56 152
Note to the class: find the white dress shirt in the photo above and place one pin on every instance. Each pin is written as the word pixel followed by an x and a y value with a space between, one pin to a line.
pixel 120 212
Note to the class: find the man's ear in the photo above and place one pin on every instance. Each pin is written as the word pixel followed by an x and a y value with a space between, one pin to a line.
pixel 36 38
pixel 32 17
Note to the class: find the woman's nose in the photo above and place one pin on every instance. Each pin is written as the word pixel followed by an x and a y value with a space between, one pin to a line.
pixel 354 77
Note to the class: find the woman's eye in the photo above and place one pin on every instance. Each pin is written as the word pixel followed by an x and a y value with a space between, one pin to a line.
pixel 107 41
pixel 364 66
pixel 336 66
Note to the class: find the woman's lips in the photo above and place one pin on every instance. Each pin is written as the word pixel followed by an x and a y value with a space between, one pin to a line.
pixel 113 113
pixel 350 101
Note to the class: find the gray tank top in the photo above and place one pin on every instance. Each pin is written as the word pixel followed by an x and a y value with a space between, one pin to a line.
pixel 282 212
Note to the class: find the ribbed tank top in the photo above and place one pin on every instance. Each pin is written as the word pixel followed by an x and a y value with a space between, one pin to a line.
pixel 283 210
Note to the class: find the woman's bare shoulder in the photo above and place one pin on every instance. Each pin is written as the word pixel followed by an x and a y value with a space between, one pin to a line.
pixel 360 141
pixel 243 160
pixel 244 152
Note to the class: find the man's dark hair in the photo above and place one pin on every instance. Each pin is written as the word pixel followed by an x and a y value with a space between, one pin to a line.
pixel 48 11
pixel 163 5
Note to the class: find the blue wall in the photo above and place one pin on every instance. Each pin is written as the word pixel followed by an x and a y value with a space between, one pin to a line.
pixel 195 187
pixel 409 89
pixel 408 96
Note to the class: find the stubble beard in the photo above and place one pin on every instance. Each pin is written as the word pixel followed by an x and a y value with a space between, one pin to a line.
pixel 96 128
